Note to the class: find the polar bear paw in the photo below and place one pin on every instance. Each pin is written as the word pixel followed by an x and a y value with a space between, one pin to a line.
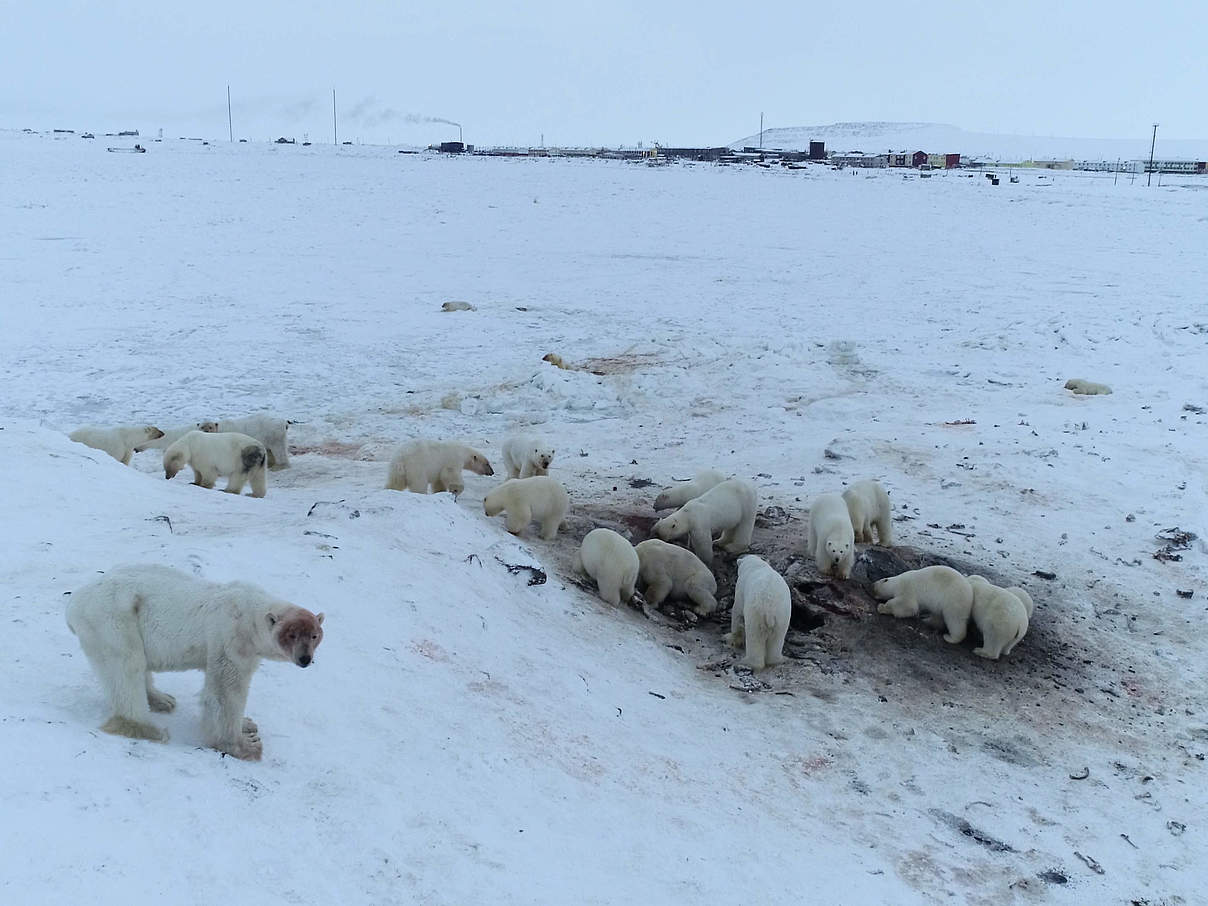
pixel 161 701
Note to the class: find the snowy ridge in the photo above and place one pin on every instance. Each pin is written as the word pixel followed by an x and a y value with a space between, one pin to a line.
pixel 939 138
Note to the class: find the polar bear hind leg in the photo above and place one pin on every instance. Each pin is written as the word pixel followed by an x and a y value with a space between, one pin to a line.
pixel 115 650
pixel 259 482
pixel 702 598
pixel 957 628
pixel 756 643
pixel 883 524
pixel 159 701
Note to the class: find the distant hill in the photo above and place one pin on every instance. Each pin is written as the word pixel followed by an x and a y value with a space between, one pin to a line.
pixel 942 138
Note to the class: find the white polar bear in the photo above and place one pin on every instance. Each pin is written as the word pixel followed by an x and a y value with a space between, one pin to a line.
pixel 432 466
pixel 140 619
pixel 831 540
pixel 668 570
pixel 237 456
pixel 1029 605
pixel 1083 387
pixel 868 506
pixel 526 455
pixel 1000 616
pixel 704 480
pixel 539 498
pixel 268 429
pixel 611 561
pixel 728 507
pixel 119 443
pixel 172 435
pixel 938 590
pixel 761 614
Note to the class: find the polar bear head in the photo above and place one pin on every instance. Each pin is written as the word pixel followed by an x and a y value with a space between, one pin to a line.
pixel 837 550
pixel 495 502
pixel 542 456
pixel 674 526
pixel 478 464
pixel 208 427
pixel 883 589
pixel 152 432
pixel 174 460
pixel 297 633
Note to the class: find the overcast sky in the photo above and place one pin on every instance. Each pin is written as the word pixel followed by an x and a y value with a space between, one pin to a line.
pixel 603 73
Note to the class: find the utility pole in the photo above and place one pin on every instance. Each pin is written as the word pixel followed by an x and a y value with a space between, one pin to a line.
pixel 761 130
pixel 335 134
pixel 230 122
pixel 1149 179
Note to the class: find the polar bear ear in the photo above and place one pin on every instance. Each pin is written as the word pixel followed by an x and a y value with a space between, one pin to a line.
pixel 319 618
pixel 271 617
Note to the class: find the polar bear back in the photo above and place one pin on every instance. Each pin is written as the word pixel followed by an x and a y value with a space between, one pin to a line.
pixel 763 593
pixel 704 480
pixel 658 558
pixel 1029 605
pixel 611 560
pixel 1000 616
pixel 172 435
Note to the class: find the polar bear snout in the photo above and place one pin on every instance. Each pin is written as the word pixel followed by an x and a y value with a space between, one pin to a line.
pixel 303 660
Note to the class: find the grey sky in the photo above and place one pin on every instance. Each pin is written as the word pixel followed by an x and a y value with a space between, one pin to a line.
pixel 601 74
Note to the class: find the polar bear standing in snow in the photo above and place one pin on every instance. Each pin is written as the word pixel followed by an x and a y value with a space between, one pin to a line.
pixel 1001 615
pixel 761 614
pixel 172 435
pixel 704 480
pixel 938 590
pixel 268 429
pixel 668 570
pixel 868 507
pixel 432 466
pixel 140 619
pixel 611 561
pixel 831 538
pixel 237 456
pixel 526 455
pixel 728 507
pixel 119 443
pixel 539 498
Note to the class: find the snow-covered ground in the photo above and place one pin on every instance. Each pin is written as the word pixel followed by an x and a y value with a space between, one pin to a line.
pixel 466 737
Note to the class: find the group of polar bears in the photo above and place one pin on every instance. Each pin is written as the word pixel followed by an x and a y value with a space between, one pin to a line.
pixel 239 449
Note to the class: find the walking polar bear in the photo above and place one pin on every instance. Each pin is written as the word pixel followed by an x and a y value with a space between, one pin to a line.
pixel 1001 615
pixel 868 507
pixel 432 466
pixel 142 619
pixel 172 435
pixel 728 507
pixel 268 429
pixel 539 498
pixel 611 561
pixel 938 590
pixel 831 538
pixel 526 455
pixel 704 480
pixel 762 609
pixel 237 456
pixel 119 442
pixel 667 570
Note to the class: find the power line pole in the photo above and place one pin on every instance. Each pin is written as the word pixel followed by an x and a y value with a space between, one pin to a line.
pixel 230 122
pixel 1149 179
pixel 760 130
pixel 335 134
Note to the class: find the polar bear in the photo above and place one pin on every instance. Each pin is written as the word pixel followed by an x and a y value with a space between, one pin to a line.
pixel 136 620
pixel 539 498
pixel 1086 388
pixel 1029 605
pixel 939 590
pixel 1000 615
pixel 432 466
pixel 868 507
pixel 268 429
pixel 728 507
pixel 668 570
pixel 831 540
pixel 239 457
pixel 172 435
pixel 761 614
pixel 526 455
pixel 119 443
pixel 611 561
pixel 704 480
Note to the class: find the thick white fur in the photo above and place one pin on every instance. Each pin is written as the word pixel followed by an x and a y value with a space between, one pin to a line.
pixel 140 619
pixel 611 561
pixel 524 499
pixel 704 480
pixel 237 456
pixel 432 466
pixel 172 435
pixel 1086 388
pixel 119 443
pixel 831 538
pixel 268 429
pixel 668 570
pixel 1028 604
pixel 1001 616
pixel 939 590
pixel 728 507
pixel 526 455
pixel 761 614
pixel 868 505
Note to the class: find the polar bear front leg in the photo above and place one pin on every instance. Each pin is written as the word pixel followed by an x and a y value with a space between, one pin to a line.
pixel 701 542
pixel 223 699
pixel 449 480
pixel 519 516
pixel 702 598
pixel 900 607
pixel 738 539
pixel 657 590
